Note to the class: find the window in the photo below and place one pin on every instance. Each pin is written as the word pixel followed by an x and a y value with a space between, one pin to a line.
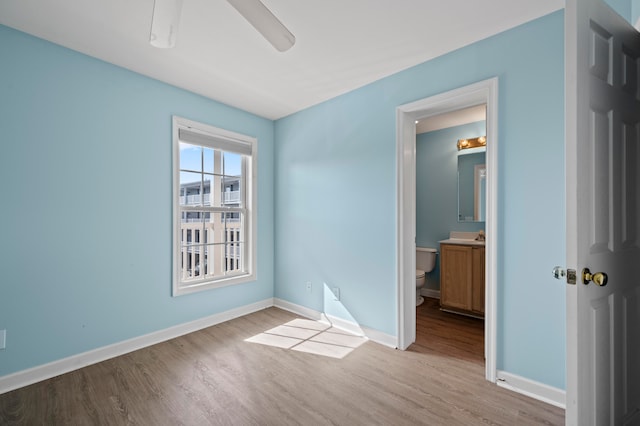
pixel 214 205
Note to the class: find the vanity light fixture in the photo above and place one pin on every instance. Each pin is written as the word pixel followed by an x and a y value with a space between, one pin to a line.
pixel 478 142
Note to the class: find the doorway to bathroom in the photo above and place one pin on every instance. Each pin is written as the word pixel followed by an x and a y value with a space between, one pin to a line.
pixel 450 220
pixel 475 95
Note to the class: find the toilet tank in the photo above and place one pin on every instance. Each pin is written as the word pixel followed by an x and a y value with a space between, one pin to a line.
pixel 426 258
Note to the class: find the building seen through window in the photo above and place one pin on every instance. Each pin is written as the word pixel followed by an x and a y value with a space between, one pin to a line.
pixel 198 193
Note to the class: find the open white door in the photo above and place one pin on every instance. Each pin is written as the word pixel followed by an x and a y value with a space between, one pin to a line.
pixel 603 215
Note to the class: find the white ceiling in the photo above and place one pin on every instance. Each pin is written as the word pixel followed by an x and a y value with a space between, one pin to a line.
pixel 340 44
pixel 452 119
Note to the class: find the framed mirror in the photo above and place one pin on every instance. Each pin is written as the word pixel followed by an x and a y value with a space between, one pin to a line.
pixel 472 174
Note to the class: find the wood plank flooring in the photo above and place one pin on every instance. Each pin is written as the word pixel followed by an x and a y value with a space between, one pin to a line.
pixel 215 377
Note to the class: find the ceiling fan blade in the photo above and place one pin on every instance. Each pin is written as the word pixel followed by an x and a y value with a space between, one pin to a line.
pixel 164 23
pixel 265 22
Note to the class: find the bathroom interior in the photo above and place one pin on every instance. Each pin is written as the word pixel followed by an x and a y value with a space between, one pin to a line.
pixel 450 222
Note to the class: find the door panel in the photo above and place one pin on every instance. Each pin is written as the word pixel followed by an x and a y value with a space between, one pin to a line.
pixel 599 179
pixel 630 194
pixel 631 333
pixel 601 363
pixel 603 116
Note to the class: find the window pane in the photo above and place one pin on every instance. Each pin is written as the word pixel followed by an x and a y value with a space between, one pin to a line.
pixel 190 194
pixel 212 247
pixel 208 161
pixel 211 260
pixel 197 255
pixel 208 196
pixel 190 157
pixel 232 164
pixel 233 225
pixel 192 220
pixel 208 261
pixel 233 258
pixel 231 191
pixel 194 266
pixel 191 261
pixel 207 228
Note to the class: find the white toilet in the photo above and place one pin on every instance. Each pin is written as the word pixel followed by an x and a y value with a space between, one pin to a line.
pixel 425 262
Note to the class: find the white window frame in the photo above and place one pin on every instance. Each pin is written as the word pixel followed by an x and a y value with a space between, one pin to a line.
pixel 220 137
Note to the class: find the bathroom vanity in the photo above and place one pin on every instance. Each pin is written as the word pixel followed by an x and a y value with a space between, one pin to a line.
pixel 462 262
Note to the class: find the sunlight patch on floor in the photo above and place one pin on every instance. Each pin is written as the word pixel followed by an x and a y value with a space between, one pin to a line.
pixel 310 336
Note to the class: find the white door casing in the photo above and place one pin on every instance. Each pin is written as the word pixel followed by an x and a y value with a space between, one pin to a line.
pixel 483 92
pixel 603 215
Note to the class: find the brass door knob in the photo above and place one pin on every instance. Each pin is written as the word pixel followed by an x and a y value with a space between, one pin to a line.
pixel 599 278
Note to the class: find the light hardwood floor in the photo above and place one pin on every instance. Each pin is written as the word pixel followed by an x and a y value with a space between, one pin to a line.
pixel 215 377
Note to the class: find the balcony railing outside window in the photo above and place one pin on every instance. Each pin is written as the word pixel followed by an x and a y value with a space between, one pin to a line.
pixel 230 197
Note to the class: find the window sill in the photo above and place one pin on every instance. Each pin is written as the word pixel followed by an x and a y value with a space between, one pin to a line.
pixel 180 289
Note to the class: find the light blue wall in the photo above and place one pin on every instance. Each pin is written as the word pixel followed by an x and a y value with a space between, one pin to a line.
pixel 623 7
pixel 336 194
pixel 437 189
pixel 85 178
pixel 635 11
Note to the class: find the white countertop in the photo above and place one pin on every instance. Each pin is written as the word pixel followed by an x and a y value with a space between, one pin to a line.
pixel 463 238
pixel 462 241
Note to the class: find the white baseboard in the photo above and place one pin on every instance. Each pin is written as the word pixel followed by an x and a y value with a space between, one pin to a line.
pixel 429 292
pixel 299 310
pixel 65 365
pixel 350 326
pixel 536 390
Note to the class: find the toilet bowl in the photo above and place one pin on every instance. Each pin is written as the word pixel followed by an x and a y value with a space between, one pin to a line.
pixel 425 262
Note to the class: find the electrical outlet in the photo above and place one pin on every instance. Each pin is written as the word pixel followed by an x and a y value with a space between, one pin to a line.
pixel 336 293
pixel 309 286
pixel 3 339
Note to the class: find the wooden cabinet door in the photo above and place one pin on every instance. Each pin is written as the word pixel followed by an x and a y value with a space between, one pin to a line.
pixel 477 281
pixel 456 276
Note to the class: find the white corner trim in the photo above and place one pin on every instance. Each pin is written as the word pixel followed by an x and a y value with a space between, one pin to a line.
pixel 381 337
pixel 299 310
pixel 345 325
pixel 429 292
pixel 350 326
pixel 536 390
pixel 74 362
